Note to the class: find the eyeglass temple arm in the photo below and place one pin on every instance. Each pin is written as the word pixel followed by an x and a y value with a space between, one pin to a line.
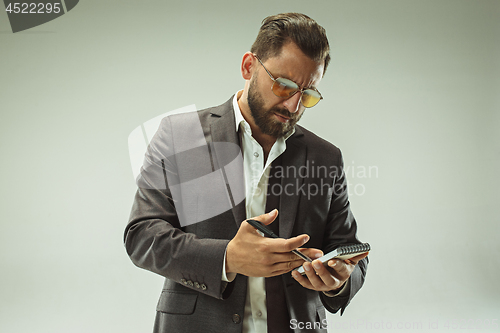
pixel 270 75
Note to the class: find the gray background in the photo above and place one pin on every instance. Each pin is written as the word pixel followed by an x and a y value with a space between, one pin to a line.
pixel 413 90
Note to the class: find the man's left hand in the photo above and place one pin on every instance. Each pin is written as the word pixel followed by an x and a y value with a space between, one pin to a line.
pixel 327 279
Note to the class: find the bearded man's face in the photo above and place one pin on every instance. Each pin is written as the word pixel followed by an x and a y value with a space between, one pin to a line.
pixel 265 119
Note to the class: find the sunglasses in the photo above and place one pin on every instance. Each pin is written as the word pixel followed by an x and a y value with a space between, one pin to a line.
pixel 286 88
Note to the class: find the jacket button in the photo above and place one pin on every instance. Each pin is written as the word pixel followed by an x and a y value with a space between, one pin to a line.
pixel 197 285
pixel 203 286
pixel 183 281
pixel 236 318
pixel 190 283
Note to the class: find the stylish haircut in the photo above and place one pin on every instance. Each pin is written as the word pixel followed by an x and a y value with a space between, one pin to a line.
pixel 278 30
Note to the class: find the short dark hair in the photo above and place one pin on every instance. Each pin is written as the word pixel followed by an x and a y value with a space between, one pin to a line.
pixel 278 30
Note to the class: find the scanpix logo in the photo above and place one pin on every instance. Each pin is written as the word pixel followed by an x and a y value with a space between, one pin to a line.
pixel 28 14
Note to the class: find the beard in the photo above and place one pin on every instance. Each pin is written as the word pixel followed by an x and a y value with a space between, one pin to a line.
pixel 265 119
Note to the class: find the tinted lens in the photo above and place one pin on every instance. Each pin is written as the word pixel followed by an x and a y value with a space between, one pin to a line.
pixel 310 98
pixel 284 88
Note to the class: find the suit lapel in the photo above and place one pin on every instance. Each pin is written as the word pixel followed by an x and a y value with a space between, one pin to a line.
pixel 224 146
pixel 294 157
pixel 222 129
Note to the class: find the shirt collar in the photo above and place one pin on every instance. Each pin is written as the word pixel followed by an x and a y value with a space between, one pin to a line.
pixel 237 111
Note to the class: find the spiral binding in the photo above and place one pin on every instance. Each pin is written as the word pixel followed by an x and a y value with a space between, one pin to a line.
pixel 348 249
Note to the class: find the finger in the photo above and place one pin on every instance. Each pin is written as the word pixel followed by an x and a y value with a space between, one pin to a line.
pixel 311 253
pixel 297 263
pixel 246 227
pixel 324 274
pixel 264 218
pixel 340 269
pixel 285 267
pixel 267 218
pixel 287 245
pixel 313 278
pixel 287 259
pixel 313 281
pixel 282 268
pixel 281 245
pixel 302 280
pixel 356 259
pixel 338 266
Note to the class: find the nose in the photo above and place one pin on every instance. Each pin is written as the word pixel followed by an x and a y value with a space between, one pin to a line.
pixel 292 104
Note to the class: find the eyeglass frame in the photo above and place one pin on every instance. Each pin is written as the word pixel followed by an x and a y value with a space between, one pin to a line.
pixel 301 90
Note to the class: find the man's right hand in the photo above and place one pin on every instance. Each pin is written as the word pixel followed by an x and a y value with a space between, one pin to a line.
pixel 251 254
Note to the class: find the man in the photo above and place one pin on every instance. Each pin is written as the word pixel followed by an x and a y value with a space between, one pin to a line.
pixel 195 192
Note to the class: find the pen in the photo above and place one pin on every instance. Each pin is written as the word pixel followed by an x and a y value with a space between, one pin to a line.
pixel 268 232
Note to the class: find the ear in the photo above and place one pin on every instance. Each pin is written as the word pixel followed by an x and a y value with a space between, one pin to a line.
pixel 248 65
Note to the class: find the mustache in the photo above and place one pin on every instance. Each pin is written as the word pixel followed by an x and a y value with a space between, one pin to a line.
pixel 284 113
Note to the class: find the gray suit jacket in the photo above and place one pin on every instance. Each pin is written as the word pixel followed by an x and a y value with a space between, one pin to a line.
pixel 162 237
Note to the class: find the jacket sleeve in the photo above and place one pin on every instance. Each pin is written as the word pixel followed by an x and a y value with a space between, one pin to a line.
pixel 155 238
pixel 341 229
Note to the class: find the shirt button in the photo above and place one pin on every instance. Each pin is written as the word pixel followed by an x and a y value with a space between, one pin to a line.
pixel 236 318
pixel 256 154
pixel 259 314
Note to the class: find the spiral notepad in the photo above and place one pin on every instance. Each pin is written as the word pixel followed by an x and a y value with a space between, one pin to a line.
pixel 343 253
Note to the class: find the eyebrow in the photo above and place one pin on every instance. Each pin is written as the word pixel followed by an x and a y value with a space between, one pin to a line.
pixel 282 76
pixel 285 77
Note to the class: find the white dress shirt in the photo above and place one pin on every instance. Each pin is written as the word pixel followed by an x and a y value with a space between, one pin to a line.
pixel 256 181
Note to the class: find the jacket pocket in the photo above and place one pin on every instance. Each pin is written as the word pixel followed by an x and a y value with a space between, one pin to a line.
pixel 175 302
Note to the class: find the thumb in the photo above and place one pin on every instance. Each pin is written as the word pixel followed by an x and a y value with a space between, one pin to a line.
pixel 267 218
pixel 356 259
